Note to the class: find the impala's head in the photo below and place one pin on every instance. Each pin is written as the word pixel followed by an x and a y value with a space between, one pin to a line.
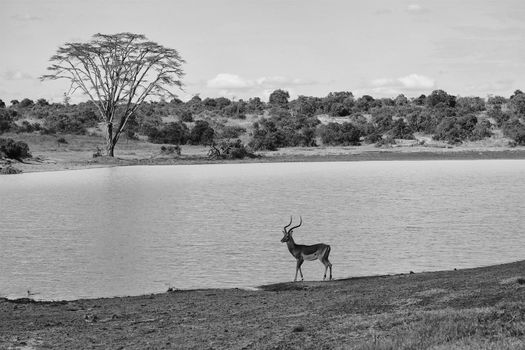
pixel 288 233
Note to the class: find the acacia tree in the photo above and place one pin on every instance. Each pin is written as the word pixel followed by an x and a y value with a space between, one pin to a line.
pixel 117 72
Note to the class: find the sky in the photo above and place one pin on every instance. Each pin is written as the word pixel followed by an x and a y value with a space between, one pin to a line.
pixel 248 48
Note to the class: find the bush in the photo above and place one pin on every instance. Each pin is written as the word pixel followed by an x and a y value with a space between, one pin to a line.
pixel 170 150
pixel 519 138
pixel 498 115
pixel 470 104
pixel 235 110
pixel 25 103
pixel 64 123
pixel 340 110
pixel 421 121
pixel 28 127
pixel 340 134
pixel 400 130
pixel 7 117
pixel 448 131
pixel 373 138
pixel 382 118
pixel 267 139
pixel 440 99
pixel 456 130
pixel 130 134
pixel 97 153
pixel 202 133
pixel 172 133
pixel 481 131
pixel 186 116
pixel 230 150
pixel 386 142
pixel 515 130
pixel 284 130
pixel 9 170
pixel 231 132
pixel 12 149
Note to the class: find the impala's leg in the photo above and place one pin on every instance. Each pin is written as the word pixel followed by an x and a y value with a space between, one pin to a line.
pixel 298 269
pixel 327 264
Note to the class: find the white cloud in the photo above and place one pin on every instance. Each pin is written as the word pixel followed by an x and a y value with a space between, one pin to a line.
pixel 416 8
pixel 392 87
pixel 385 91
pixel 229 81
pixel 229 85
pixel 416 81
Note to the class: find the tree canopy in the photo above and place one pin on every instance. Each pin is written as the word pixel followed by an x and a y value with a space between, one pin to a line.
pixel 117 72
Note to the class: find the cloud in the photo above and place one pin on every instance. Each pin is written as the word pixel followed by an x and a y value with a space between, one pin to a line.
pixel 227 84
pixel 416 81
pixel 409 83
pixel 229 81
pixel 26 17
pixel 416 8
pixel 15 75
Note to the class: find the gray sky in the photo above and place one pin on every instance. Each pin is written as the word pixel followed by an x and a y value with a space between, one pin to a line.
pixel 247 48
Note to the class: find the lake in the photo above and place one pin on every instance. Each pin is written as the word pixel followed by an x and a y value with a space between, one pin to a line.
pixel 136 230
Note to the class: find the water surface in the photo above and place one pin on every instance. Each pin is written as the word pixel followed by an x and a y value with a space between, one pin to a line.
pixel 136 230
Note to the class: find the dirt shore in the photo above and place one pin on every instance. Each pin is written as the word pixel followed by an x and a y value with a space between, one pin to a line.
pixel 481 308
pixel 147 154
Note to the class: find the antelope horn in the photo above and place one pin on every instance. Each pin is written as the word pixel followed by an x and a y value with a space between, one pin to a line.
pixel 284 228
pixel 297 225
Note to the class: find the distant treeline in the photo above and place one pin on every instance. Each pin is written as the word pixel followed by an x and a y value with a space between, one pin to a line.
pixel 282 122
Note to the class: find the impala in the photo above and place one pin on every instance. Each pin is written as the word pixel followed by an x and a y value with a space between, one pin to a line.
pixel 306 252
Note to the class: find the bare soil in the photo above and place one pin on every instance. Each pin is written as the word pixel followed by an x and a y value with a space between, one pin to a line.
pixel 481 308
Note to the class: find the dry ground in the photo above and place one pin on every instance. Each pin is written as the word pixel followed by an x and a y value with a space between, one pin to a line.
pixel 482 308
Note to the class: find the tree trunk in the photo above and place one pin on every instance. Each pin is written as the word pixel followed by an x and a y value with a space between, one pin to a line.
pixel 110 145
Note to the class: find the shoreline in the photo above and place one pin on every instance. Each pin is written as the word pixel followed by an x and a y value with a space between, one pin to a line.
pixel 277 286
pixel 467 308
pixel 50 161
